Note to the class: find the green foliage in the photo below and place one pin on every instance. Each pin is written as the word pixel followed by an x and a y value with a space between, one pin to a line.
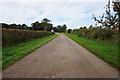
pixel 116 8
pixel 46 25
pixel 96 33
pixel 106 51
pixel 69 30
pixel 15 26
pixel 36 26
pixel 64 27
pixel 46 20
pixel 14 36
pixel 16 52
pixel 43 25
pixel 110 18
pixel 60 28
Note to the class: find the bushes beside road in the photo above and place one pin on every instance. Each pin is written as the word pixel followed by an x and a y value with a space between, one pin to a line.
pixel 14 36
pixel 97 33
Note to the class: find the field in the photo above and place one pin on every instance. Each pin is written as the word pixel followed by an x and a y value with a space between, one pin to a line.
pixel 15 52
pixel 106 51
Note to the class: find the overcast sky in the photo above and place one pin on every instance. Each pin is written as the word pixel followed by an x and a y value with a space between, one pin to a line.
pixel 73 13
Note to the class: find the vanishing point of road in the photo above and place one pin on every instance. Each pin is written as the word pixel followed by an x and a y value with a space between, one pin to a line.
pixel 60 58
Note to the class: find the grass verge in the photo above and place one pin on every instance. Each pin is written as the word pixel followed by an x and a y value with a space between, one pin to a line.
pixel 14 53
pixel 106 51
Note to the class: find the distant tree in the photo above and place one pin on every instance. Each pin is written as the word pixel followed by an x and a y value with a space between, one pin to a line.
pixel 90 27
pixel 64 27
pixel 59 27
pixel 24 26
pixel 46 25
pixel 13 26
pixel 4 25
pixel 55 29
pixel 19 26
pixel 50 27
pixel 46 20
pixel 29 28
pixel 36 25
pixel 69 30
pixel 83 27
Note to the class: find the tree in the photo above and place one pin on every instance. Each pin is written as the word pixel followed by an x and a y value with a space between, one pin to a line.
pixel 64 27
pixel 90 27
pixel 46 20
pixel 4 25
pixel 36 25
pixel 46 25
pixel 55 29
pixel 59 27
pixel 83 27
pixel 24 26
pixel 50 27
pixel 69 30
pixel 107 20
pixel 13 26
pixel 116 8
pixel 19 26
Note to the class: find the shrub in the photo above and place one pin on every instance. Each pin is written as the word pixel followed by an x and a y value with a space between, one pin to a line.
pixel 14 36
pixel 96 33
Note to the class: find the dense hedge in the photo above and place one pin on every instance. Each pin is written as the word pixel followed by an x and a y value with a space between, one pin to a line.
pixel 97 33
pixel 14 36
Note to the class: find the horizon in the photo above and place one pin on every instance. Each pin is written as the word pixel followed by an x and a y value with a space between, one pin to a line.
pixel 74 14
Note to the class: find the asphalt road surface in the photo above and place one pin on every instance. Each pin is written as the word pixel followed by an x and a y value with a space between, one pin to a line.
pixel 60 58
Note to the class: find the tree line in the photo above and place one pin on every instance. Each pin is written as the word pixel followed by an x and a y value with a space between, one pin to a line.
pixel 45 24
pixel 107 27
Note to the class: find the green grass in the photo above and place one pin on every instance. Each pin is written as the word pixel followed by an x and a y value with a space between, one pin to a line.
pixel 106 51
pixel 16 52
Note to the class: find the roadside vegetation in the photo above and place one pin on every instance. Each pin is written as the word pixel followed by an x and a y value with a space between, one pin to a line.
pixel 106 51
pixel 14 53
pixel 16 36
pixel 19 40
pixel 103 38
pixel 44 25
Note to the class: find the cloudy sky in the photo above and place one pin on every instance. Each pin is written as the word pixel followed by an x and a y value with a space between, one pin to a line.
pixel 73 13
